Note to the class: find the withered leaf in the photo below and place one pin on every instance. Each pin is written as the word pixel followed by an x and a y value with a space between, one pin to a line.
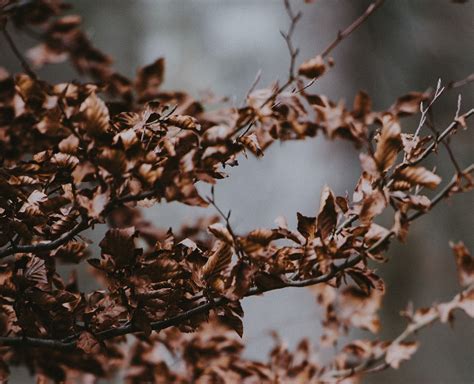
pixel 218 260
pixel 250 141
pixel 464 263
pixel 306 225
pixel 36 271
pixel 398 352
pixel 221 232
pixel 95 115
pixel 120 244
pixel 327 216
pixel 418 176
pixel 313 68
pixel 389 143
pixel 149 78
pixel 88 343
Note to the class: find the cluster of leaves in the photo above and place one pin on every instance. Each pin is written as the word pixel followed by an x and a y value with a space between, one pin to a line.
pixel 75 155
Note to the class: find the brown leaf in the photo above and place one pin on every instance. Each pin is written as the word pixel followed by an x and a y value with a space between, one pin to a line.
pixel 360 309
pixel 95 116
pixel 221 232
pixel 409 104
pixel 312 68
pixel 36 271
pixel 250 141
pixel 362 105
pixel 367 280
pixel 149 79
pixel 418 176
pixel 398 352
pixel 88 343
pixel 463 300
pixel 69 145
pixel 327 216
pixel 120 244
pixel 184 122
pixel 389 143
pixel 372 205
pixel 220 258
pixel 306 225
pixel 464 263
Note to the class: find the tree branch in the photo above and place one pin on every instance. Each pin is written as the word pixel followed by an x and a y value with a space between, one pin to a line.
pixel 47 246
pixel 341 35
pixel 456 122
pixel 70 341
pixel 16 51
pixel 370 365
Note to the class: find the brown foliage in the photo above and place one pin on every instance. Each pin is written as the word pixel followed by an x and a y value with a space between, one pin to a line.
pixel 77 154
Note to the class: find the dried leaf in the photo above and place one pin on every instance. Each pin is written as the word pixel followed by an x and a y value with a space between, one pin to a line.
pixel 313 68
pixel 398 352
pixel 389 143
pixel 88 343
pixel 464 263
pixel 218 260
pixel 418 176
pixel 327 216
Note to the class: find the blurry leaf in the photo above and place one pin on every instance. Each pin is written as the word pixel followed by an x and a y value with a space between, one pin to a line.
pixel 464 263
pixel 418 176
pixel 120 244
pixel 398 352
pixel 409 104
pixel 250 141
pixel 88 343
pixel 149 79
pixel 95 115
pixel 362 105
pixel 312 68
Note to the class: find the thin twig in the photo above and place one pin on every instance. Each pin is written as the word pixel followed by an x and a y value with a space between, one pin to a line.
pixel 424 111
pixel 49 245
pixel 454 124
pixel 252 86
pixel 341 35
pixel 19 56
pixel 461 83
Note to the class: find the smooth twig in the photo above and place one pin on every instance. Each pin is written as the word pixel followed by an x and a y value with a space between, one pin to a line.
pixel 341 35
pixel 17 53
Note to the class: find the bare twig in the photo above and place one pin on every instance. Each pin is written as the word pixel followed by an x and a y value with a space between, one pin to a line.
pixel 341 35
pixel 252 87
pixel 454 124
pixel 461 83
pixel 424 111
pixel 16 51
pixel 212 200
pixel 431 125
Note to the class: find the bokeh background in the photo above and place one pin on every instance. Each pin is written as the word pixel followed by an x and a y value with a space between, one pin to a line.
pixel 221 45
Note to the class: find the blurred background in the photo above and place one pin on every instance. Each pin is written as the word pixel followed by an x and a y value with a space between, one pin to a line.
pixel 406 45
